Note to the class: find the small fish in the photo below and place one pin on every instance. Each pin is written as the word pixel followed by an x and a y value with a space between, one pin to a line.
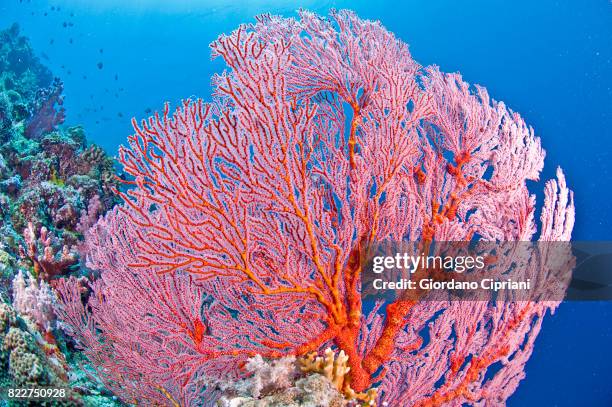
pixel 52 41
pixel 101 51
pixel 65 24
pixel 71 41
pixel 120 114
pixel 100 65
pixel 148 110
pixel 116 77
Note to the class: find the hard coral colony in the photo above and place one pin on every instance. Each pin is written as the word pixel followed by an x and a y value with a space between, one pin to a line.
pixel 242 231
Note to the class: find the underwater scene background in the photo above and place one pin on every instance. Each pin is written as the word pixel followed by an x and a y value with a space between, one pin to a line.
pixel 549 60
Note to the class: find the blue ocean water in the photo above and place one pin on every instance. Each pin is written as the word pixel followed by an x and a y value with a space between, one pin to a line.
pixel 549 60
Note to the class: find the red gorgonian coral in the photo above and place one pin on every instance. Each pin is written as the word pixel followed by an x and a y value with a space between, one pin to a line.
pixel 243 229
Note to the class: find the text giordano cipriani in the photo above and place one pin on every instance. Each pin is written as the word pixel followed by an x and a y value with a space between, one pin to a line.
pixel 458 264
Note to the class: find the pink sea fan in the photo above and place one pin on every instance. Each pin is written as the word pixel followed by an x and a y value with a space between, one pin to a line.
pixel 246 221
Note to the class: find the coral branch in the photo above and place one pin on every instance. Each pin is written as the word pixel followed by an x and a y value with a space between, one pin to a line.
pixel 40 249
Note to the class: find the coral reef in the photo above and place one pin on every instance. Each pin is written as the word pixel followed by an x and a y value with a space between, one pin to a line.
pixel 310 391
pixel 31 97
pixel 288 382
pixel 53 186
pixel 51 180
pixel 25 84
pixel 27 359
pixel 245 222
pixel 50 183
